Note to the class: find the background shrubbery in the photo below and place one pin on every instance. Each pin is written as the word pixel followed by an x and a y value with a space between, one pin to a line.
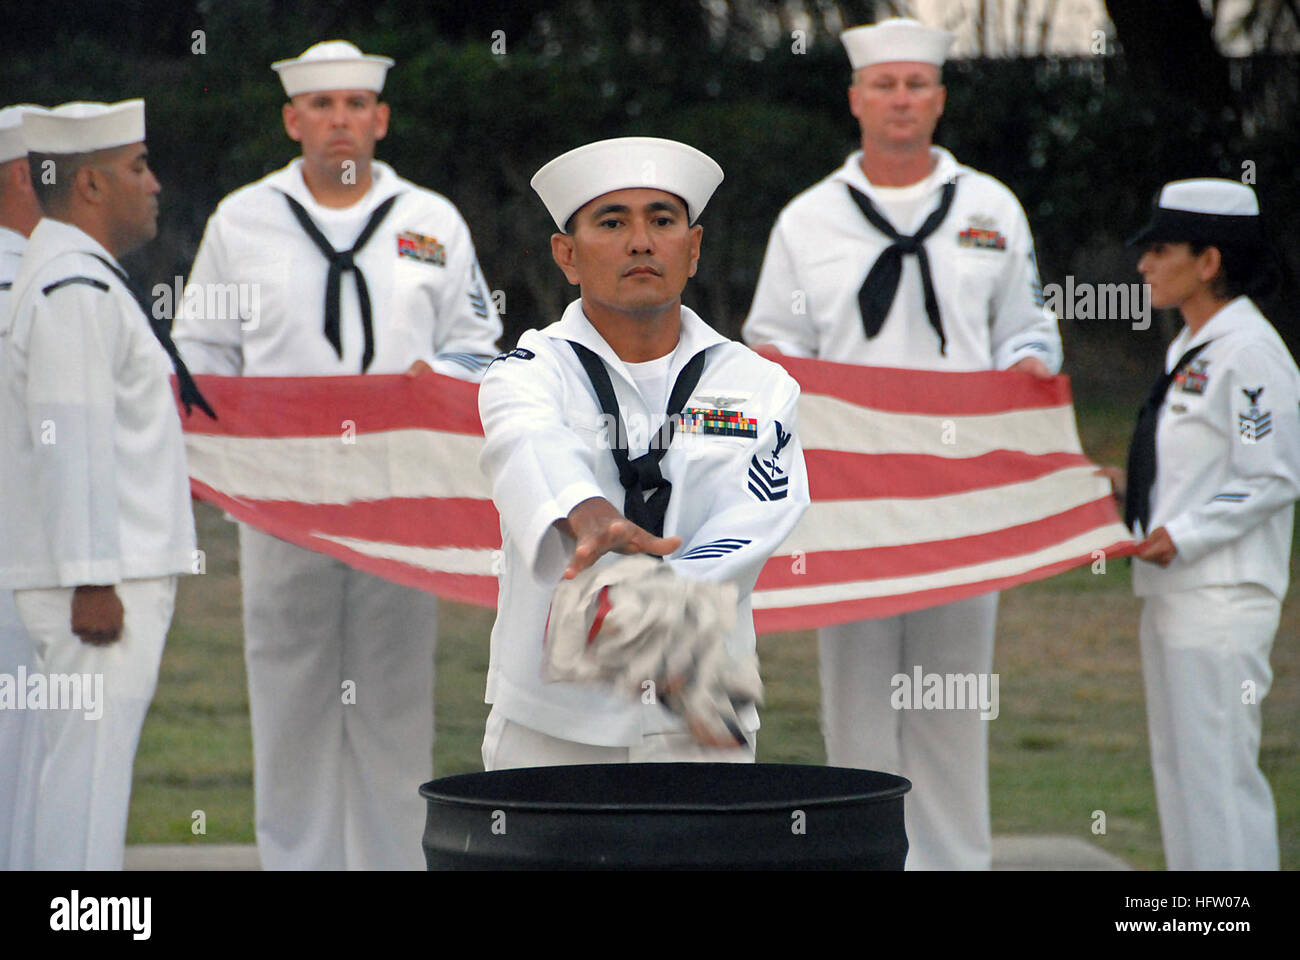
pixel 1084 142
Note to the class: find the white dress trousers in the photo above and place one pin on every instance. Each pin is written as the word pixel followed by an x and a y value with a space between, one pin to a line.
pixel 342 709
pixel 1205 666
pixel 85 784
pixel 943 752
pixel 20 747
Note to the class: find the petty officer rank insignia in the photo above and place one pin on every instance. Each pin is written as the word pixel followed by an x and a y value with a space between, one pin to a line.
pixel 767 479
pixel 708 422
pixel 1193 377
pixel 1254 424
pixel 416 246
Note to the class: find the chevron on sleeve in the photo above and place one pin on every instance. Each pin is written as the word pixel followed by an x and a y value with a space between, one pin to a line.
pixel 714 548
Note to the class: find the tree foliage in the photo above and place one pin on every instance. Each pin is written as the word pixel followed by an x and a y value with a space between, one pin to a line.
pixel 1084 143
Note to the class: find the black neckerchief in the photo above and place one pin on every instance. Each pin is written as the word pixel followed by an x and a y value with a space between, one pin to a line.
pixel 641 476
pixel 877 293
pixel 1142 449
pixel 339 261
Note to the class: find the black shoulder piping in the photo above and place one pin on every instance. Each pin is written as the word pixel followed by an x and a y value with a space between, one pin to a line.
pixel 88 281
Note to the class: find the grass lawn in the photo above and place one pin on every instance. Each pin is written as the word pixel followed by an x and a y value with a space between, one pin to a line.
pixel 1070 738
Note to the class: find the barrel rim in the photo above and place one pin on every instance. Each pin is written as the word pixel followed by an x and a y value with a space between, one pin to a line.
pixel 884 795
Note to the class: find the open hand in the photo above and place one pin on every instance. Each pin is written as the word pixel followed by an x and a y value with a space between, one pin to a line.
pixel 599 528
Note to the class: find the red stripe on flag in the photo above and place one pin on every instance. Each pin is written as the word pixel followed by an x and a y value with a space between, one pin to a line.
pixel 782 619
pixel 926 391
pixel 466 588
pixel 835 475
pixel 319 406
pixel 408 522
pixel 915 559
pixel 477 589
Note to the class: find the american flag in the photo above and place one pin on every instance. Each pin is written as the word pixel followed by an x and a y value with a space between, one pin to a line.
pixel 931 487
pixel 379 471
pixel 926 487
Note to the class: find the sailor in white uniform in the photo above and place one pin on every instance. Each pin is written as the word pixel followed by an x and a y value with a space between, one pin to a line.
pixel 331 266
pixel 716 502
pixel 1214 471
pixel 20 732
pixel 905 258
pixel 96 463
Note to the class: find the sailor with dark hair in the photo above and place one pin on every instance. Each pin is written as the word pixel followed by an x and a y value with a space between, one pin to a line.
pixel 1213 473
pixel 95 461
pixel 629 426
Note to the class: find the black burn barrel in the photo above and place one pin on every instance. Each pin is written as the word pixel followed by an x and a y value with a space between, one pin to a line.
pixel 667 816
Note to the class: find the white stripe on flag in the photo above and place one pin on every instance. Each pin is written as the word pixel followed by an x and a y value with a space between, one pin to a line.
pixel 1080 546
pixel 862 524
pixel 392 463
pixel 826 423
pixel 441 559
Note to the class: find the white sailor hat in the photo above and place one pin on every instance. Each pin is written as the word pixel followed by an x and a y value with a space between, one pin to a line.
pixel 332 65
pixel 81 127
pixel 898 39
pixel 1206 212
pixel 571 180
pixel 12 143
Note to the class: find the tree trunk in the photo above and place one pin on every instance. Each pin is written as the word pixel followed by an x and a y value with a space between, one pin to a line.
pixel 1169 45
